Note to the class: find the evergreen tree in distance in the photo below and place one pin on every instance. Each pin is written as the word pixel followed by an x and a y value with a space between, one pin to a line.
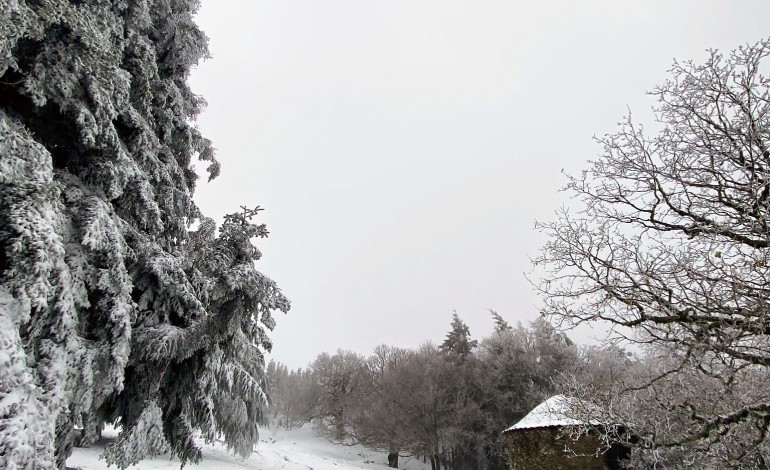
pixel 501 326
pixel 111 308
pixel 458 344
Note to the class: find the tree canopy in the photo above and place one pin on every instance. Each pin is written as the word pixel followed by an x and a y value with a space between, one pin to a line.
pixel 121 302
pixel 427 402
pixel 671 245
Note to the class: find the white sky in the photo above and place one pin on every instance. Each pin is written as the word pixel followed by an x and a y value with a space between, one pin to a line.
pixel 403 149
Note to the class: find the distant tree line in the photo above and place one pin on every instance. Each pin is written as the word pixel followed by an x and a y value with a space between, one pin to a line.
pixel 447 404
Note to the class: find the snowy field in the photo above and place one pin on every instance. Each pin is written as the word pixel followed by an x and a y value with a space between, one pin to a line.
pixel 277 449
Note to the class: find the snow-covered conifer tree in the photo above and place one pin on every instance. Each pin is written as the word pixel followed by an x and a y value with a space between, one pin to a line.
pixel 501 326
pixel 111 309
pixel 458 344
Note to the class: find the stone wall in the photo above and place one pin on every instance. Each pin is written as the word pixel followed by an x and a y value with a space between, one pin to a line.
pixel 544 448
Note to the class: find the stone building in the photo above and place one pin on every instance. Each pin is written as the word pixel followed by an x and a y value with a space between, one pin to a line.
pixel 540 441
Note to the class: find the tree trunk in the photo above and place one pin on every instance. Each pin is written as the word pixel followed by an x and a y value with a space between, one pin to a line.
pixel 339 425
pixel 91 432
pixel 393 459
pixel 467 461
pixel 65 437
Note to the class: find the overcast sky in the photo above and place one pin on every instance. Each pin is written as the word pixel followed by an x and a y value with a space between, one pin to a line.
pixel 403 149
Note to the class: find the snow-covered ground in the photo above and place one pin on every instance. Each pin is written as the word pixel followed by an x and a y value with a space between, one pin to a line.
pixel 278 449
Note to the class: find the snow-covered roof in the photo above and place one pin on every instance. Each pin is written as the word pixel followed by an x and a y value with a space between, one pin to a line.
pixel 552 412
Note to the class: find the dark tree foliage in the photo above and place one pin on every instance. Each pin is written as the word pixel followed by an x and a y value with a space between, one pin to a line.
pixel 458 344
pixel 501 325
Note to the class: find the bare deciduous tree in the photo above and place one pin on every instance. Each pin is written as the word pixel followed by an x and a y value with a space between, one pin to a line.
pixel 671 245
pixel 380 418
pixel 340 379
